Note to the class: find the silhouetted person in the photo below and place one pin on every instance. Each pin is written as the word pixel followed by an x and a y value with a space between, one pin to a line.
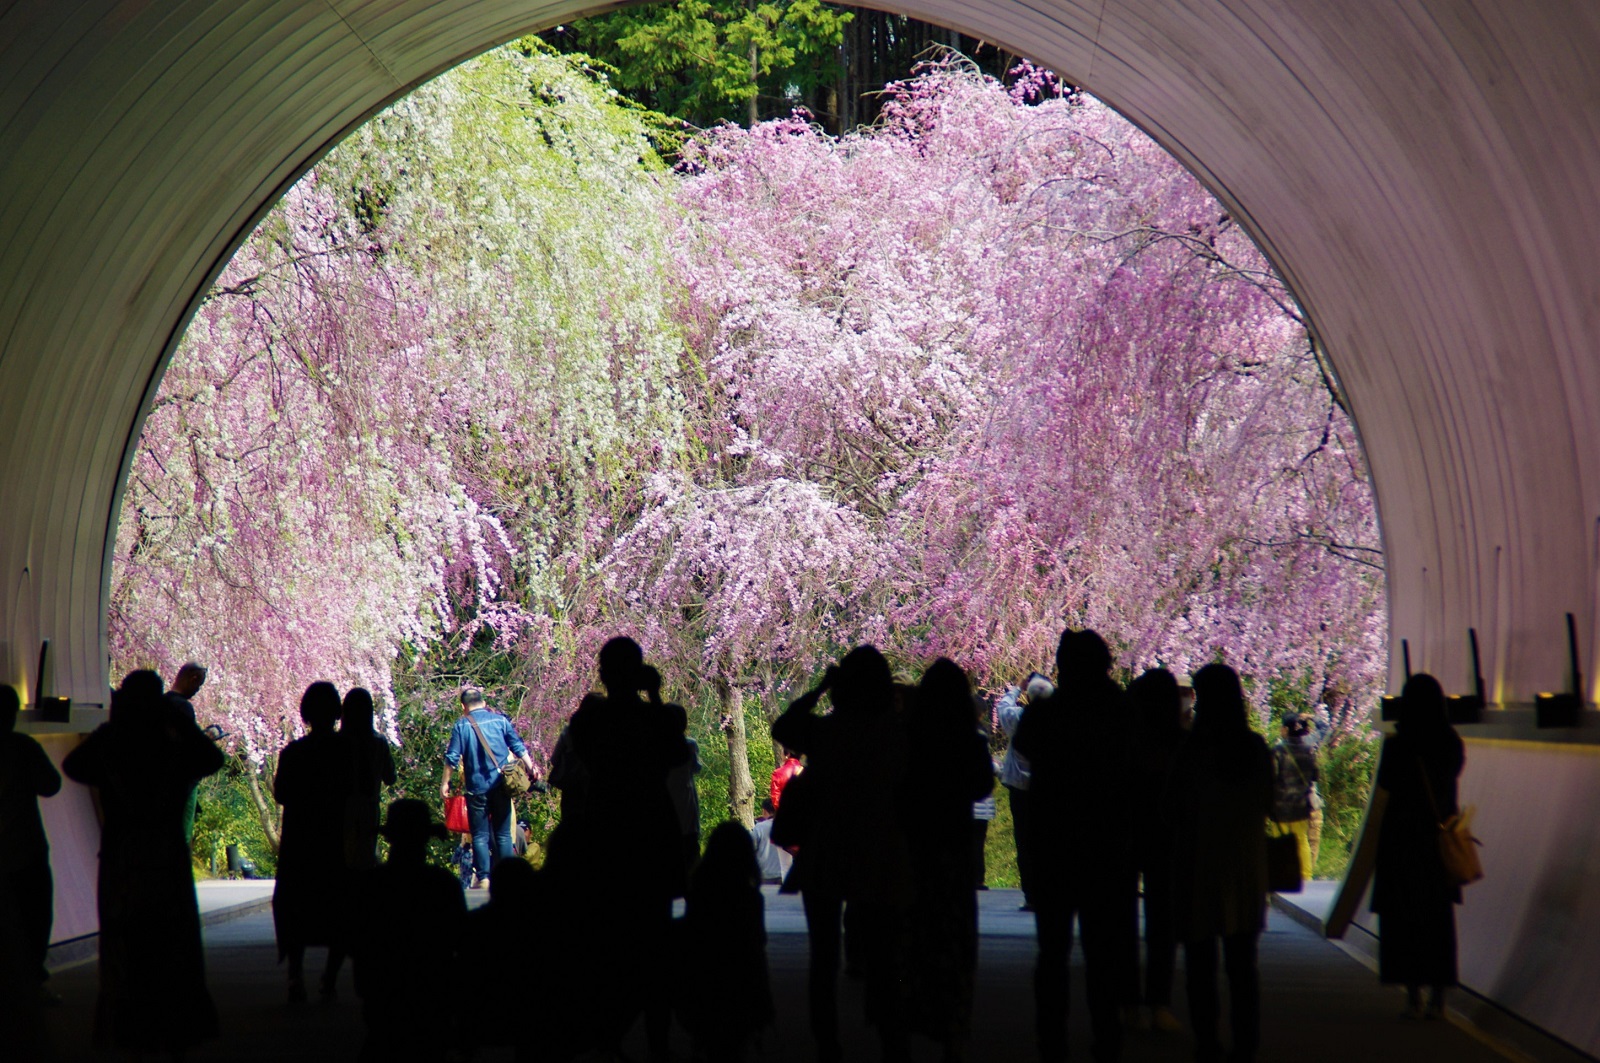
pixel 1016 774
pixel 1294 780
pixel 180 696
pixel 153 995
pixel 627 742
pixel 371 767
pixel 1158 707
pixel 856 762
pixel 27 890
pixel 481 742
pixel 314 785
pixel 407 925
pixel 685 795
pixel 725 998
pixel 1414 898
pixel 517 908
pixel 1078 743
pixel 185 685
pixel 1222 789
pixel 949 770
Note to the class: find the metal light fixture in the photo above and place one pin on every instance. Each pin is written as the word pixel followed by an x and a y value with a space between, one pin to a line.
pixel 1563 710
pixel 1389 704
pixel 45 709
pixel 1468 708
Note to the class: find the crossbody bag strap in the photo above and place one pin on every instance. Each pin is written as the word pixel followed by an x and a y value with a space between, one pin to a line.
pixel 488 750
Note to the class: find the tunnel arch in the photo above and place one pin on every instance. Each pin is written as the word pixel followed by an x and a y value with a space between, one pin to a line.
pixel 1421 172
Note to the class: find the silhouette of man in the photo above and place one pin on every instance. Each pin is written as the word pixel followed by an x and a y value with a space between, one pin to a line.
pixel 26 886
pixel 627 746
pixel 407 926
pixel 854 876
pixel 483 740
pixel 153 995
pixel 1079 746
pixel 185 685
pixel 180 696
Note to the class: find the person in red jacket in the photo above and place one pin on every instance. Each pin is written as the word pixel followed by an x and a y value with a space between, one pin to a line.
pixel 781 775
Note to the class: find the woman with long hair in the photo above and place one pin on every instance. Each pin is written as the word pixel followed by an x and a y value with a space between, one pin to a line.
pixel 1222 787
pixel 371 769
pixel 313 784
pixel 1414 898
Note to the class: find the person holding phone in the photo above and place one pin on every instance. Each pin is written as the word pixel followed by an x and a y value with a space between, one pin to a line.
pixel 1015 772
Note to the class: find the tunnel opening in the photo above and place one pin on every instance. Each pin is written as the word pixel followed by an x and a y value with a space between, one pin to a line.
pixel 363 325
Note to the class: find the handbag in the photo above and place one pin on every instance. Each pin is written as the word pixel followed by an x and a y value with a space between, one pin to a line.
pixel 513 773
pixel 1283 861
pixel 455 815
pixel 1458 849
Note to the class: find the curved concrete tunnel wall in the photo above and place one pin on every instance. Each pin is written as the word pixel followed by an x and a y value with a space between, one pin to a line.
pixel 1424 172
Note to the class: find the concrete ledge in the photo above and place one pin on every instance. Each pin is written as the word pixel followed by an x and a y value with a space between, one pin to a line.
pixel 220 901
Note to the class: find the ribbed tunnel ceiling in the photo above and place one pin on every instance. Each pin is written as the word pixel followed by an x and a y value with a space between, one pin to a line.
pixel 1423 173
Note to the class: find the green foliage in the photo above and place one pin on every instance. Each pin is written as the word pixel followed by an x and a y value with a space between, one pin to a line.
pixel 1347 768
pixel 693 58
pixel 1000 847
pixel 225 815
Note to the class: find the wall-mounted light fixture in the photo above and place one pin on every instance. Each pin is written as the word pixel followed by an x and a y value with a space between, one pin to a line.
pixel 1468 708
pixel 1563 710
pixel 44 708
pixel 1389 704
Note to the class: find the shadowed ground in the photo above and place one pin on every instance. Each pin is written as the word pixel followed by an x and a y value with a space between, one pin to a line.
pixel 1319 1005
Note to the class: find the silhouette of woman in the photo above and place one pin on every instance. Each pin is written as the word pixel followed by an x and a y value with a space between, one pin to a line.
pixel 1224 777
pixel 1414 899
pixel 857 760
pixel 314 784
pixel 950 769
pixel 153 995
pixel 371 769
pixel 726 995
pixel 1158 704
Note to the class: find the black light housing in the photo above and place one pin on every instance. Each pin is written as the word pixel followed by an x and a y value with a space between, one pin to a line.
pixel 47 709
pixel 1468 708
pixel 1563 710
pixel 50 710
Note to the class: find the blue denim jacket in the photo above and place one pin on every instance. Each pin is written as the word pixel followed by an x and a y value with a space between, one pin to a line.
pixel 481 773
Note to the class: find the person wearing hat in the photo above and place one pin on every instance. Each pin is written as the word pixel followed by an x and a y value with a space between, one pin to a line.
pixel 409 917
pixel 1294 784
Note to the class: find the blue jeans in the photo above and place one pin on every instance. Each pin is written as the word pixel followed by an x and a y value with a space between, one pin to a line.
pixel 490 815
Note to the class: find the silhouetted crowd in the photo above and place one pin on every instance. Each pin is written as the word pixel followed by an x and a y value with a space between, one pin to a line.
pixel 876 801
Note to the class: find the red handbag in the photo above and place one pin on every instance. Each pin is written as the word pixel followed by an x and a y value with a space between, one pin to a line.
pixel 455 815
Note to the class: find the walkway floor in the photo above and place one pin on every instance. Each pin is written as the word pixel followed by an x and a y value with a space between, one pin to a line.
pixel 1320 1005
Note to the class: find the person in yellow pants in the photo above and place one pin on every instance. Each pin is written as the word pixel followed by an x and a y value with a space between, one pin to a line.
pixel 1294 785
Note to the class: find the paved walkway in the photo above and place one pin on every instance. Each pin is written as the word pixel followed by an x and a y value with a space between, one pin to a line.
pixel 1320 1005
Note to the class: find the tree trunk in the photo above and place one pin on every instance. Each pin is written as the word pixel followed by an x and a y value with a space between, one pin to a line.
pixel 741 791
pixel 267 809
pixel 755 82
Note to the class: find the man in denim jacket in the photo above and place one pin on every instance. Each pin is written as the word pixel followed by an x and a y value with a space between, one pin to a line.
pixel 488 803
